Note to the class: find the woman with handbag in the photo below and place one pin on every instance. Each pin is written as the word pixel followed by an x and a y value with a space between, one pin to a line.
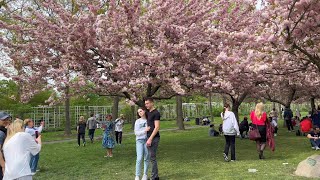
pixel 230 130
pixel 259 131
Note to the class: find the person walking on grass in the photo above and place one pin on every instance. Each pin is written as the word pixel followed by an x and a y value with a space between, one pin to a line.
pixel 140 130
pixel 34 132
pixel 118 128
pixel 153 135
pixel 5 120
pixel 230 130
pixel 81 130
pixel 17 149
pixel 259 121
pixel 108 136
pixel 92 126
pixel 288 115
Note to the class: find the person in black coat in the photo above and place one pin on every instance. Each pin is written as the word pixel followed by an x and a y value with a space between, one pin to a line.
pixel 244 127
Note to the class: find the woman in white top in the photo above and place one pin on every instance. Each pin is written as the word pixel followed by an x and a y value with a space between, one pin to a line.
pixel 140 130
pixel 17 150
pixel 230 129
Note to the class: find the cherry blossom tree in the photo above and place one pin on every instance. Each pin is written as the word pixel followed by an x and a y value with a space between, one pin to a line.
pixel 49 44
pixel 155 50
pixel 292 26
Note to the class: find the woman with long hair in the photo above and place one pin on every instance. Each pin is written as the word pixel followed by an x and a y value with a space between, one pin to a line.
pixel 140 130
pixel 259 120
pixel 17 149
pixel 81 130
pixel 230 129
pixel 108 136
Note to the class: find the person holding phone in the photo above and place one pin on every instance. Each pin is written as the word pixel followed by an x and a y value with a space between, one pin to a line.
pixel 34 132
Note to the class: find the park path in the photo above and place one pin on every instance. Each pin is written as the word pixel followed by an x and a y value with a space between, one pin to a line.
pixel 130 133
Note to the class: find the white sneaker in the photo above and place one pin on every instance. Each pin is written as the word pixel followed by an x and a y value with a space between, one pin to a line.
pixel 144 177
pixel 317 148
pixel 33 173
pixel 275 135
pixel 137 178
pixel 313 148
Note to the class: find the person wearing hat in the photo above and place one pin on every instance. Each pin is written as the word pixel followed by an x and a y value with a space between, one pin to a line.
pixel 118 128
pixel 5 119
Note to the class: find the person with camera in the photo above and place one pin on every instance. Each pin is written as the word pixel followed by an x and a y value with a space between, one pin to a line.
pixel 34 132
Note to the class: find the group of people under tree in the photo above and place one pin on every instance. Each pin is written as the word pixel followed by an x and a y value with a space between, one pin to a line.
pixel 22 144
pixel 266 128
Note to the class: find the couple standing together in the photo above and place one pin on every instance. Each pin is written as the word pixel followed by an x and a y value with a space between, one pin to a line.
pixel 147 134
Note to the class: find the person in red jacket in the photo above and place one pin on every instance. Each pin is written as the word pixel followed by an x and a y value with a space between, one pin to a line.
pixel 306 125
pixel 258 118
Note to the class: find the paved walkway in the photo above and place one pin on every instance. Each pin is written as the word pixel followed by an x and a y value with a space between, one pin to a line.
pixel 131 133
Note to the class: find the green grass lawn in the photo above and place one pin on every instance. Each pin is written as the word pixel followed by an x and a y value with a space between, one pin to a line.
pixel 189 154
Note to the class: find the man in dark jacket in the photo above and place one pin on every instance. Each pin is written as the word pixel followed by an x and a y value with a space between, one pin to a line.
pixel 244 127
pixel 288 118
pixel 4 122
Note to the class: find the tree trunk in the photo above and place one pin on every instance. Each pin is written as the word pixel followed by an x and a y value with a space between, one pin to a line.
pixel 210 106
pixel 179 112
pixel 67 130
pixel 279 111
pixel 133 116
pixel 140 103
pixel 115 107
pixel 313 104
pixel 224 100
pixel 235 109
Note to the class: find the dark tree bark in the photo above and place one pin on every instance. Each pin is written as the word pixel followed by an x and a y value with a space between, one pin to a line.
pixel 235 109
pixel 133 116
pixel 210 106
pixel 115 107
pixel 67 130
pixel 313 104
pixel 179 112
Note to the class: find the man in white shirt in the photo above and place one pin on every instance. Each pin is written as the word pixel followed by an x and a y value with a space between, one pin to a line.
pixel 119 128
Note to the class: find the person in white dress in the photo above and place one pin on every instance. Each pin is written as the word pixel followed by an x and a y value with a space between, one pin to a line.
pixel 17 150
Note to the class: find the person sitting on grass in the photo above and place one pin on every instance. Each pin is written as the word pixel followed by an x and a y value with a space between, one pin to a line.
pixel 212 131
pixel 305 125
pixel 274 124
pixel 244 127
pixel 314 137
pixel 220 130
